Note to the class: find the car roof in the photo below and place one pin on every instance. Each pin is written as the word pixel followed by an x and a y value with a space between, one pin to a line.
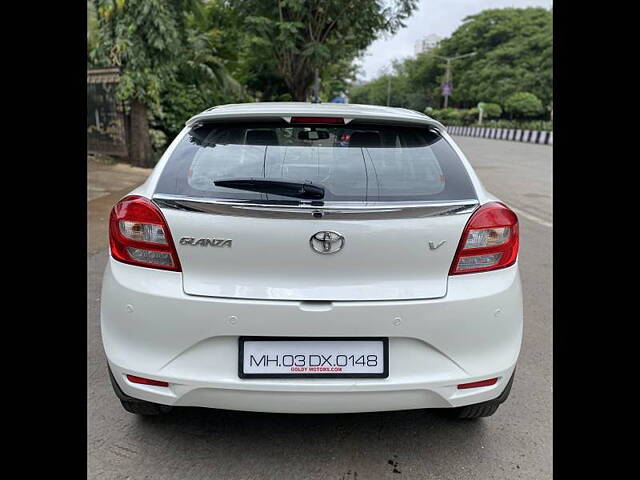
pixel 286 110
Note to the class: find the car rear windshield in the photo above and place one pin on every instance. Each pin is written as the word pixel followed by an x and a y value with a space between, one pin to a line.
pixel 352 163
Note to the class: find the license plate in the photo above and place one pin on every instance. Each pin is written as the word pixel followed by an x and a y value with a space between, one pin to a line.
pixel 284 357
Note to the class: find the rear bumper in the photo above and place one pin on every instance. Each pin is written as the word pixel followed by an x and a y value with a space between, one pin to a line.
pixel 150 328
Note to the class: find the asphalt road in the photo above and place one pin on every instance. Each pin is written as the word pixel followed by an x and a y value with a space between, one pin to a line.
pixel 196 443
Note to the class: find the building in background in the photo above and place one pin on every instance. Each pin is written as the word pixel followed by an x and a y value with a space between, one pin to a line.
pixel 427 43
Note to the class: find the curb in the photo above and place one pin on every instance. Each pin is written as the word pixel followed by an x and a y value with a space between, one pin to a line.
pixel 516 135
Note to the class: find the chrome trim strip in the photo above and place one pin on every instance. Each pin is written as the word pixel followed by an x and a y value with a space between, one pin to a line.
pixel 352 211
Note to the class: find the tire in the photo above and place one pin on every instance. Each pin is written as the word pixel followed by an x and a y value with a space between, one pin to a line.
pixel 135 405
pixel 484 409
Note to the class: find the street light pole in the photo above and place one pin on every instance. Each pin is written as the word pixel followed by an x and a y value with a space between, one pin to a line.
pixel 447 74
pixel 447 80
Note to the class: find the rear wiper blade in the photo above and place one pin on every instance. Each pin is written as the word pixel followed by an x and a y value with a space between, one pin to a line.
pixel 277 187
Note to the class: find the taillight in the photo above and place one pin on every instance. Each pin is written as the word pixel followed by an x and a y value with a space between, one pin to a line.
pixel 489 241
pixel 139 235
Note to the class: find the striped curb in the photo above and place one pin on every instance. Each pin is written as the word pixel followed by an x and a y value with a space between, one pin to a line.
pixel 516 135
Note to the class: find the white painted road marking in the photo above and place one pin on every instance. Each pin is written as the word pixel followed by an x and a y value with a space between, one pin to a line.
pixel 527 215
pixel 531 217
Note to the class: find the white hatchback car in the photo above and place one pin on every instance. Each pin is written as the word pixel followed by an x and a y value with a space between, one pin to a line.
pixel 312 258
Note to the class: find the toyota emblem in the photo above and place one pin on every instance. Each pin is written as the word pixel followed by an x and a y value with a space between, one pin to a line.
pixel 327 242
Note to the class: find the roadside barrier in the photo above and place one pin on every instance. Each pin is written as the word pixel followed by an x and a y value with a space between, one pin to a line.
pixel 515 135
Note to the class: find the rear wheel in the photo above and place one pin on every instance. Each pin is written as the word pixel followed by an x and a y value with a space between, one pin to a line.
pixel 483 409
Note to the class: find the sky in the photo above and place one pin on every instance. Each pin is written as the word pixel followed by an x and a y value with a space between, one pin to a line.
pixel 441 17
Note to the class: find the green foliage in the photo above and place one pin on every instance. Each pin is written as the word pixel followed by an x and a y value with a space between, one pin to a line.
pixel 521 124
pixel 181 56
pixel 523 105
pixel 454 116
pixel 395 84
pixel 144 38
pixel 291 38
pixel 158 139
pixel 182 102
pixel 375 92
pixel 174 55
pixel 513 54
pixel 206 76
pixel 468 121
pixel 492 110
pixel 448 115
pixel 92 27
pixel 336 78
pixel 471 116
pixel 418 92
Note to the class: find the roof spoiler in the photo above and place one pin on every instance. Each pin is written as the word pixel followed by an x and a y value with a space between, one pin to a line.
pixel 349 112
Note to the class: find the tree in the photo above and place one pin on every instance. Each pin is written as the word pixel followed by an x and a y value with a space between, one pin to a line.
pixel 375 92
pixel 92 26
pixel 145 39
pixel 421 80
pixel 447 115
pixel 523 105
pixel 513 54
pixel 205 76
pixel 300 36
pixel 394 84
pixel 492 110
pixel 336 78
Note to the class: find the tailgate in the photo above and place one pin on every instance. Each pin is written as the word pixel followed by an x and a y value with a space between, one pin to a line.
pixel 275 258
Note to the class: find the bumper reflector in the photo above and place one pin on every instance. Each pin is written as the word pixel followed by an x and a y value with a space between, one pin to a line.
pixel 146 381
pixel 481 383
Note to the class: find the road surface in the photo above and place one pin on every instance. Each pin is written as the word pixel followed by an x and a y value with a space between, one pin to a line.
pixel 515 443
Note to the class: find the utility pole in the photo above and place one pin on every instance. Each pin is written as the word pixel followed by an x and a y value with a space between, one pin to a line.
pixel 447 80
pixel 447 73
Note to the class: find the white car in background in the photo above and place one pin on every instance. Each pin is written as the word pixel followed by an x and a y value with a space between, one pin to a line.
pixel 312 258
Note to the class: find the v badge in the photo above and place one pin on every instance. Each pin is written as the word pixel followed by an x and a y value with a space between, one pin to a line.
pixel 433 245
